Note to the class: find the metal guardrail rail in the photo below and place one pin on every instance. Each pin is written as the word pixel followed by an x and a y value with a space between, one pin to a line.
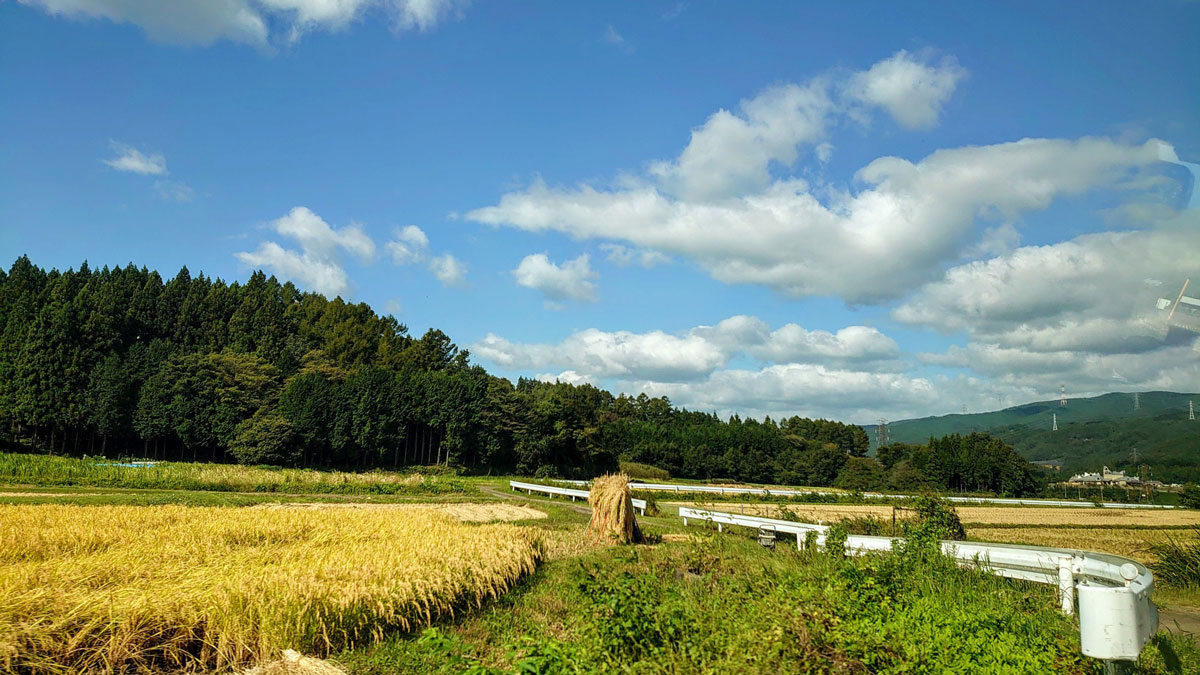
pixel 788 492
pixel 639 504
pixel 1116 613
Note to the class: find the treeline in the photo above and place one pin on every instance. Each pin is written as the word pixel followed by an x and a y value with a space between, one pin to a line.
pixel 119 361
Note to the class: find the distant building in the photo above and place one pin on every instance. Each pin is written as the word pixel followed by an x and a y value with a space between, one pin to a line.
pixel 1105 477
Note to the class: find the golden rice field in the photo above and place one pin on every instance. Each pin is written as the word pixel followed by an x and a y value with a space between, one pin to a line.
pixel 1124 532
pixel 115 588
pixel 987 515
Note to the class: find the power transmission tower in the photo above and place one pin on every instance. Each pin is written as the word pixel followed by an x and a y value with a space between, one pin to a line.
pixel 1055 422
pixel 881 433
pixel 1137 401
pixel 1133 455
pixel 1062 401
pixel 1191 411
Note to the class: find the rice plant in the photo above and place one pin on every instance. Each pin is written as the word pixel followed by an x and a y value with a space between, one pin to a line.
pixel 612 510
pixel 1178 561
pixel 123 587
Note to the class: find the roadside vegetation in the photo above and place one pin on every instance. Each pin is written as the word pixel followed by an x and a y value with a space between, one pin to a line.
pixel 722 604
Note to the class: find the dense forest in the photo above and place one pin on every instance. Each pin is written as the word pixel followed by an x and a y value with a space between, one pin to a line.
pixel 119 362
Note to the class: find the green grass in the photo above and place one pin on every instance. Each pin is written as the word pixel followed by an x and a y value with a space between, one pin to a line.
pixel 46 470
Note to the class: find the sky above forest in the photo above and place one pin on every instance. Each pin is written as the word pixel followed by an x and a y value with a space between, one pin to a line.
pixel 847 210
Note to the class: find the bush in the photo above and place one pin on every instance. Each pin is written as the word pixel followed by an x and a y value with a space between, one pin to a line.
pixel 940 516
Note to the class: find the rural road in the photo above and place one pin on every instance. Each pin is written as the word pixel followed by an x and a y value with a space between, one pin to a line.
pixel 1179 620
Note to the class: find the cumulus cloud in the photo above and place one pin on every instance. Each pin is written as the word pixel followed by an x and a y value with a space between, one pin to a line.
pixel 802 389
pixel 661 356
pixel 1074 312
pixel 314 234
pixel 255 22
pixel 173 190
pixel 566 376
pixel 1089 294
pixel 409 245
pixel 624 256
pixel 317 265
pixel 449 270
pixel 129 158
pixel 894 234
pixel 732 153
pixel 569 281
pixel 911 89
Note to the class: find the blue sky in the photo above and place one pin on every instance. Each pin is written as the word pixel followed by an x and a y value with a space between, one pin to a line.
pixel 775 208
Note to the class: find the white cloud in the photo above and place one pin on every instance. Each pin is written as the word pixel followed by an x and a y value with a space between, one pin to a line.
pixel 449 270
pixel 410 245
pixel 1077 312
pixel 566 376
pixel 570 281
pixel 315 235
pixel 894 234
pixel 732 154
pixel 909 88
pixel 600 354
pixel 318 274
pixel 254 22
pixel 802 389
pixel 131 159
pixel 624 256
pixel 661 356
pixel 174 190
pixel 318 264
pixel 1088 294
pixel 612 37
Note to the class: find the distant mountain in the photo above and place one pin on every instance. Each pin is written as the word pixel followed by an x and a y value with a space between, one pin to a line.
pixel 1092 432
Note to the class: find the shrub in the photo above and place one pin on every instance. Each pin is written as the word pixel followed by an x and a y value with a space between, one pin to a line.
pixel 940 516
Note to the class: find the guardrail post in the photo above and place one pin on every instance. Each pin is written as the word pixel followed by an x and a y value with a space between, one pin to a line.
pixel 1066 586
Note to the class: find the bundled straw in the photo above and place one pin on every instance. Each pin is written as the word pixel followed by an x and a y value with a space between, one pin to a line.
pixel 612 511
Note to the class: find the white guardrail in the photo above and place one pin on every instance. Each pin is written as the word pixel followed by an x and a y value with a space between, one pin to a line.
pixel 786 492
pixel 1116 614
pixel 639 504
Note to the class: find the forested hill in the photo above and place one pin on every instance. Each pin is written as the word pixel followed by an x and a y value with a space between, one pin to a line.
pixel 120 362
pixel 1040 415
pixel 1093 432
